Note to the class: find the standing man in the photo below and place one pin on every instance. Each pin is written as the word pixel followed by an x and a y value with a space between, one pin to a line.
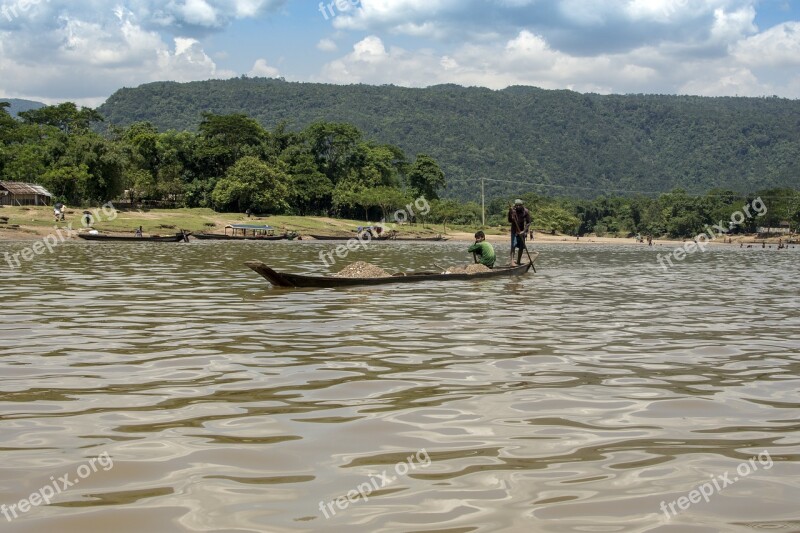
pixel 520 219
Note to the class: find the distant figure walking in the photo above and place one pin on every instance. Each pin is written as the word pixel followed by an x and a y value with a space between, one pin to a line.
pixel 138 232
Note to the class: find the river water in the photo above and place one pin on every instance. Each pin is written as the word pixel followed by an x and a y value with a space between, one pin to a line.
pixel 175 390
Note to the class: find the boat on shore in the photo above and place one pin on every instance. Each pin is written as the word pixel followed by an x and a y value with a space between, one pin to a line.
pixel 178 237
pixel 416 239
pixel 247 232
pixel 286 280
pixel 333 237
pixel 220 237
pixel 389 237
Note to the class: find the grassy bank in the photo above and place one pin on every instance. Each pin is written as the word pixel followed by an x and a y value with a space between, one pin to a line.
pixel 35 222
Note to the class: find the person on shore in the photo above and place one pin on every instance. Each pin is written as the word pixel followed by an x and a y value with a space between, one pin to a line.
pixel 58 212
pixel 483 250
pixel 138 232
pixel 520 219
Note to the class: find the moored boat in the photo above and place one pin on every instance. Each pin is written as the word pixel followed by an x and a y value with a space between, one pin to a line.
pixel 220 237
pixel 390 237
pixel 178 237
pixel 417 239
pixel 286 280
pixel 247 232
pixel 332 237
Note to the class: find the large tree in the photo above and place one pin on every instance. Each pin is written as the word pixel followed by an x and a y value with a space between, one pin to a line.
pixel 224 139
pixel 334 147
pixel 252 184
pixel 426 177
pixel 66 117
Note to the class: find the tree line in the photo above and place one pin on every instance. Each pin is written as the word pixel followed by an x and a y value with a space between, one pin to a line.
pixel 676 214
pixel 231 163
pixel 234 164
pixel 570 143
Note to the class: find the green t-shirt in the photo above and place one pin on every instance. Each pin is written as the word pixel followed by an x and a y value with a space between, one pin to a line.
pixel 485 251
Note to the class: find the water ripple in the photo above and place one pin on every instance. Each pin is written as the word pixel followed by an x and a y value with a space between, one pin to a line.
pixel 578 399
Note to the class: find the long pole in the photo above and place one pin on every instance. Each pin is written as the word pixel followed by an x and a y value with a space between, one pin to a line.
pixel 483 206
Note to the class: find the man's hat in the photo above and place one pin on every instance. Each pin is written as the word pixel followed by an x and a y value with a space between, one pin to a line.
pixel 518 202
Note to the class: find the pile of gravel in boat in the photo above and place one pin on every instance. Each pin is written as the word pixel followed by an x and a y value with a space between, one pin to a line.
pixel 469 269
pixel 360 269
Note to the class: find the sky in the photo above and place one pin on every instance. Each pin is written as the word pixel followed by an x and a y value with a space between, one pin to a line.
pixel 83 51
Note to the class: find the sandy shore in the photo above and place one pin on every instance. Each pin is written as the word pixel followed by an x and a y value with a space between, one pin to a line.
pixel 540 238
pixel 35 223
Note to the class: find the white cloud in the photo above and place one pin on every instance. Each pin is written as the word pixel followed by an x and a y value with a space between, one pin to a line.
pixel 262 70
pixel 327 45
pixel 86 50
pixel 209 14
pixel 88 60
pixel 528 59
pixel 776 47
pixel 726 81
pixel 730 26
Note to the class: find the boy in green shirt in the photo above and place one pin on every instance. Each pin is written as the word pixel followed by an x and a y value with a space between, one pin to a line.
pixel 483 249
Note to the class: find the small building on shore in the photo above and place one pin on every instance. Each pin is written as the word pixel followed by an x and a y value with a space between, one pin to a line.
pixel 18 193
pixel 783 228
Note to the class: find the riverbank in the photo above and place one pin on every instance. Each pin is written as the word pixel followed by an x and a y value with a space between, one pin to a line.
pixel 33 223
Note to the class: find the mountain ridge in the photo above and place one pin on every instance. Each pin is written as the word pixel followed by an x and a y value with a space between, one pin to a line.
pixel 19 105
pixel 563 142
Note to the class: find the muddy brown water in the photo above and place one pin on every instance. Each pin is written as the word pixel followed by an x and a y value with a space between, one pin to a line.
pixel 577 399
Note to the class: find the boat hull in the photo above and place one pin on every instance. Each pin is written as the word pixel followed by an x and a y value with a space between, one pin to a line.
pixel 216 237
pixel 332 237
pixel 286 280
pixel 421 239
pixel 386 238
pixel 112 238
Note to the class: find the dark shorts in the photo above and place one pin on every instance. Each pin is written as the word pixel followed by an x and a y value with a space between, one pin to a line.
pixel 517 241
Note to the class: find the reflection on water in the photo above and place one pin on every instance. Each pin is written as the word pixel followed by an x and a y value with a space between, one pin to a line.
pixel 576 400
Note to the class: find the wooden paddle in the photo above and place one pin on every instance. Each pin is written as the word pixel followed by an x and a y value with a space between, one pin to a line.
pixel 529 257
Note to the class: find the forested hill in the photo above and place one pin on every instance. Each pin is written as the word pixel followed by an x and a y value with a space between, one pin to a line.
pixel 572 144
pixel 17 105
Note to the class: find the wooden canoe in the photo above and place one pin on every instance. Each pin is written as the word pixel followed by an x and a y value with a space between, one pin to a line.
pixel 179 237
pixel 286 280
pixel 381 238
pixel 220 237
pixel 419 239
pixel 333 237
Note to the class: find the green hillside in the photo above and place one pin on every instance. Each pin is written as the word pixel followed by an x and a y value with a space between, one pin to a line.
pixel 567 143
pixel 17 105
